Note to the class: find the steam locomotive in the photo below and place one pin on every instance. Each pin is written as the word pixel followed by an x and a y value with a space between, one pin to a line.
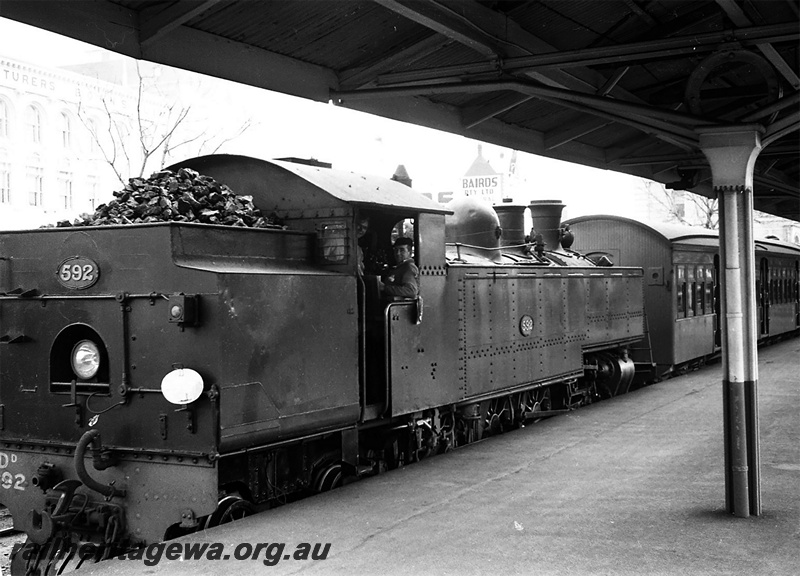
pixel 157 379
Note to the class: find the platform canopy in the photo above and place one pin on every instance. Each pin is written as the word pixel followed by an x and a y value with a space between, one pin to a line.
pixel 615 84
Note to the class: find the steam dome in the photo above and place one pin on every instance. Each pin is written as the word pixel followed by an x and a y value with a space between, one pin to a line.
pixel 473 222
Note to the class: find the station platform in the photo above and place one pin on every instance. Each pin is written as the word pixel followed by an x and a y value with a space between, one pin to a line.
pixel 629 486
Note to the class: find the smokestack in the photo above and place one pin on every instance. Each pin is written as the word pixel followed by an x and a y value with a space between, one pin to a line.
pixel 546 216
pixel 512 221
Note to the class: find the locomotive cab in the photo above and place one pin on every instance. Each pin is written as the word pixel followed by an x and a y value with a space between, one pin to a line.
pixel 383 315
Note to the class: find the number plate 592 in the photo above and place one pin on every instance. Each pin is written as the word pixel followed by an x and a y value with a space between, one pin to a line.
pixel 78 273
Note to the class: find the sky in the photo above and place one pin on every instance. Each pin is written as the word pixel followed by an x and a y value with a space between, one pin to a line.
pixel 287 126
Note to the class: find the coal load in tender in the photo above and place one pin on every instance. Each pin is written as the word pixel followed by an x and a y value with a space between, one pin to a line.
pixel 182 196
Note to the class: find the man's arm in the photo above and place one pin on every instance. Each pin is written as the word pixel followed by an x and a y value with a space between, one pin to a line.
pixel 406 283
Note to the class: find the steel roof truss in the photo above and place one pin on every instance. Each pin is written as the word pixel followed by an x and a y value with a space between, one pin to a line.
pixel 434 16
pixel 738 17
pixel 474 115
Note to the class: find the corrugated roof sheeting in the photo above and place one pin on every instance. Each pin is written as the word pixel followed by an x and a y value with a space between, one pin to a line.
pixel 451 53
pixel 331 34
pixel 614 137
pixel 537 115
pixel 566 24
pixel 586 22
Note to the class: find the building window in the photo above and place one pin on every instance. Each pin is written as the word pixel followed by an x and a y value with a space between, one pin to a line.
pixel 680 204
pixel 65 186
pixel 91 186
pixel 66 130
pixel 93 135
pixel 35 182
pixel 5 184
pixel 5 118
pixel 34 120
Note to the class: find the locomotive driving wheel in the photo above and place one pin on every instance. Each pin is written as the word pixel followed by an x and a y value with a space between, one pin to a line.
pixel 328 477
pixel 500 416
pixel 230 508
pixel 614 374
pixel 533 402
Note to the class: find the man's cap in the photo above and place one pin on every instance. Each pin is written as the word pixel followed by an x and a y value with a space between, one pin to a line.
pixel 403 242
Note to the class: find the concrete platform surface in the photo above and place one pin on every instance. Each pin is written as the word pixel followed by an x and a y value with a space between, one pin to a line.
pixel 630 486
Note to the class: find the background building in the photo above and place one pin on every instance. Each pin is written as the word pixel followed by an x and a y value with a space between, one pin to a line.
pixel 70 136
pixel 50 166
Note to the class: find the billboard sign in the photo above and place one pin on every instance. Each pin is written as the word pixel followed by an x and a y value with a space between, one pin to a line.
pixel 489 187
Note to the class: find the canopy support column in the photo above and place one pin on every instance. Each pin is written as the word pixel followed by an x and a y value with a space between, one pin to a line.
pixel 732 152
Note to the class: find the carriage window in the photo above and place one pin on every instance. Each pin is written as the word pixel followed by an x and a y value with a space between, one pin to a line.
pixel 768 286
pixel 772 291
pixel 708 296
pixel 332 241
pixel 785 282
pixel 697 295
pixel 699 307
pixel 690 290
pixel 680 291
pixel 796 283
pixel 789 291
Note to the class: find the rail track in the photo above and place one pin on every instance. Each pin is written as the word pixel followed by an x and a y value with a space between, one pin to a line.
pixel 8 537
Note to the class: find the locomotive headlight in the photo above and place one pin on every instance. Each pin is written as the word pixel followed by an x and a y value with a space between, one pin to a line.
pixel 182 386
pixel 85 359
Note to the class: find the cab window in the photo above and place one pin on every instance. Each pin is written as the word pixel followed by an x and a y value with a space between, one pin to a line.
pixel 332 241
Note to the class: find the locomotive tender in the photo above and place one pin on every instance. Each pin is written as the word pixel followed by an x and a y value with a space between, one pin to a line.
pixel 682 269
pixel 161 378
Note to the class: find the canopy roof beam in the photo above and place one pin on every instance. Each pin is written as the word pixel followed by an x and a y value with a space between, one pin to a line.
pixel 153 28
pixel 621 54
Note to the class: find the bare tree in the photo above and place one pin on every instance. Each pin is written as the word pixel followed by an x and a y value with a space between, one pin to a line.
pixel 686 207
pixel 707 209
pixel 144 138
